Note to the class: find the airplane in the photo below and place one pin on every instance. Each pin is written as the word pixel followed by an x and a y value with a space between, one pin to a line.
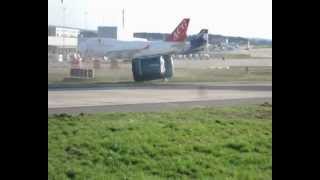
pixel 150 59
pixel 106 47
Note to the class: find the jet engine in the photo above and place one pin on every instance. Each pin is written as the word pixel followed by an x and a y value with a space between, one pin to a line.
pixel 152 68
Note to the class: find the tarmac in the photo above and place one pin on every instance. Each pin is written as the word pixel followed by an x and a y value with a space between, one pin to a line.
pixel 154 96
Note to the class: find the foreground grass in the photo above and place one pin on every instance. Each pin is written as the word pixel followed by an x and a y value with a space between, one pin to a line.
pixel 206 143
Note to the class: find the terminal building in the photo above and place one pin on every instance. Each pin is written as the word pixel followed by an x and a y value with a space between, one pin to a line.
pixel 64 40
pixel 107 32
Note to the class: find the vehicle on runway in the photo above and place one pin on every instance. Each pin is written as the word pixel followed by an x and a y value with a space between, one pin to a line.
pixel 150 59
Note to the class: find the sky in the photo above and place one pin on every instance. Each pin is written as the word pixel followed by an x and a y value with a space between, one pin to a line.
pixel 246 18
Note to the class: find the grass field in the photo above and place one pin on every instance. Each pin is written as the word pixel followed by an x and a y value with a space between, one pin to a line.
pixel 223 75
pixel 105 75
pixel 222 143
pixel 262 47
pixel 236 56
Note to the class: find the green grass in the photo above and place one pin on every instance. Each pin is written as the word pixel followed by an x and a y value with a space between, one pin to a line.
pixel 236 56
pixel 262 46
pixel 57 75
pixel 223 75
pixel 124 74
pixel 202 143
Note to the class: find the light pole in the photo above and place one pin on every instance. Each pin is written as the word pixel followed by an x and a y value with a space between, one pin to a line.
pixel 123 18
pixel 63 48
pixel 85 19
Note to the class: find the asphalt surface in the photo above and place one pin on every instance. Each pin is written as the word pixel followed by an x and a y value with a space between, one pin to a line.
pixel 256 86
pixel 156 107
pixel 154 97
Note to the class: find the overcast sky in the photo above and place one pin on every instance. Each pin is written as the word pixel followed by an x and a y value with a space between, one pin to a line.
pixel 247 18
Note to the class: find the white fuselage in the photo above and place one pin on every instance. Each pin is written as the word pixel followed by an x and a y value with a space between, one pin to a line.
pixel 100 47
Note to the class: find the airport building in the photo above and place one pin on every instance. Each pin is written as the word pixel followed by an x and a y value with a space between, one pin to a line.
pixel 64 40
pixel 151 36
pixel 108 32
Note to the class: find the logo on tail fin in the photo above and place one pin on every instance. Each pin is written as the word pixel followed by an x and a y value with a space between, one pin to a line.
pixel 180 33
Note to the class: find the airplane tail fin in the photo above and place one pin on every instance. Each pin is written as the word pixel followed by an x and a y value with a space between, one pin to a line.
pixel 203 34
pixel 180 33
pixel 198 42
pixel 201 39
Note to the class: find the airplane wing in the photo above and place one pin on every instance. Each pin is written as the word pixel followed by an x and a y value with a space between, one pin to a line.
pixel 122 54
pixel 114 49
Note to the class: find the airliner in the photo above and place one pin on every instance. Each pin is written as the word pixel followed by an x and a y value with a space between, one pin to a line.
pixel 150 60
pixel 107 47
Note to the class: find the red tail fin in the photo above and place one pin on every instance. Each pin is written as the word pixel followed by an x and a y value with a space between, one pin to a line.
pixel 180 33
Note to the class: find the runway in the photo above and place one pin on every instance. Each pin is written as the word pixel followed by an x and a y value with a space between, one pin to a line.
pixel 154 97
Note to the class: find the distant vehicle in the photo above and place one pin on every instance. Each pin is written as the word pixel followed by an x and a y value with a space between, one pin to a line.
pixel 60 59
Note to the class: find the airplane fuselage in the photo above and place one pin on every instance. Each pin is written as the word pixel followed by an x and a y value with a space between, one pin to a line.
pixel 100 47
